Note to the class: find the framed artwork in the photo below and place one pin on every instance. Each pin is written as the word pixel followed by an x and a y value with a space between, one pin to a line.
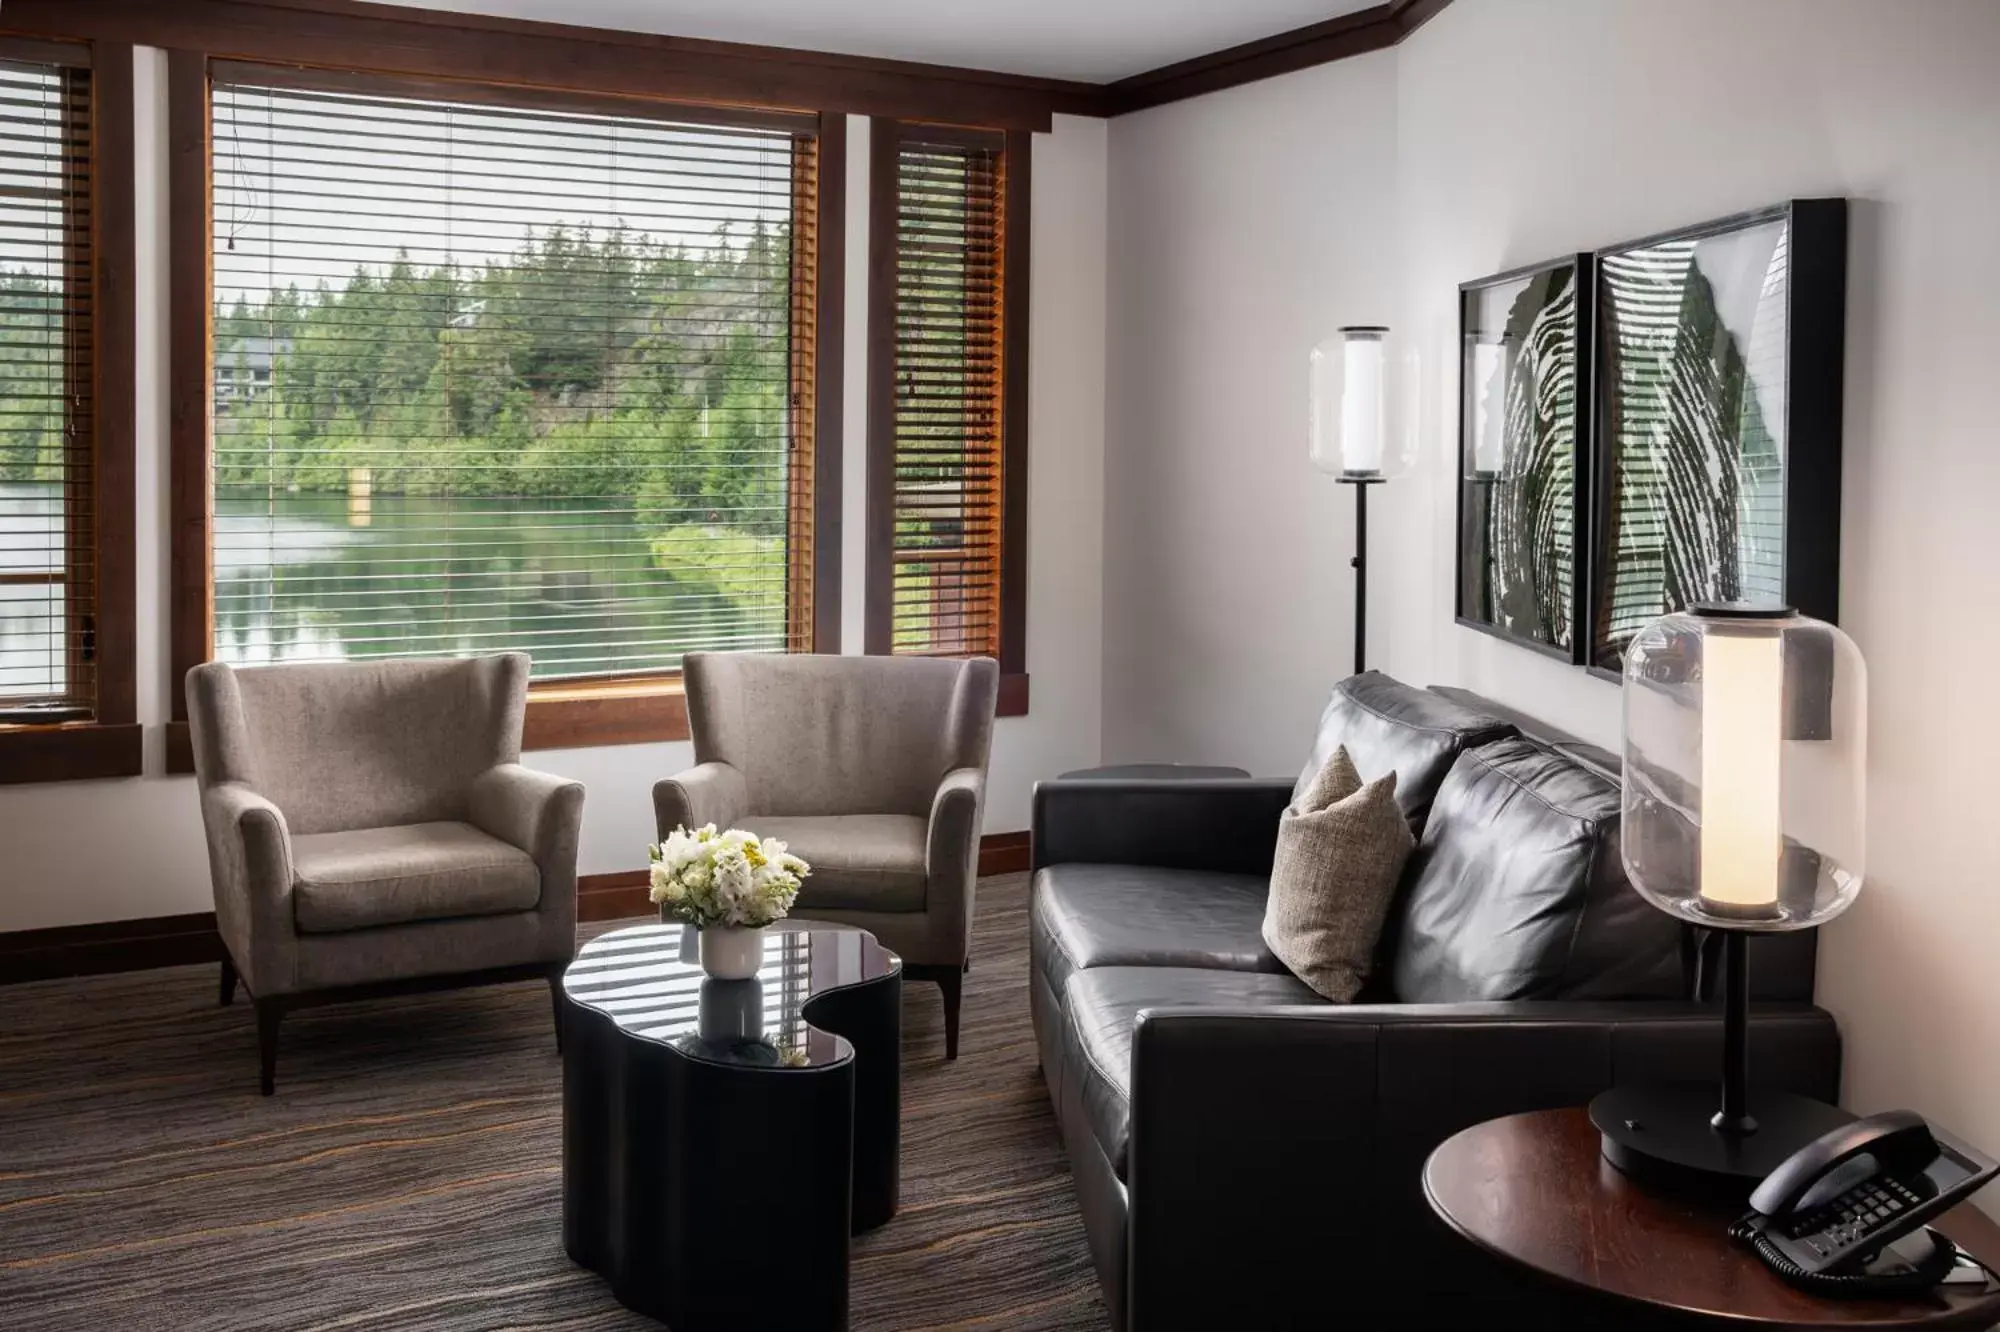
pixel 1523 427
pixel 1716 464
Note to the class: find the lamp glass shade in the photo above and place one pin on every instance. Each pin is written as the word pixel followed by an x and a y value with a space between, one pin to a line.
pixel 1353 430
pixel 1746 752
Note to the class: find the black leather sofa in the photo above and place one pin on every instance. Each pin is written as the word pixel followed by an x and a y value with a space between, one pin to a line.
pixel 1247 1155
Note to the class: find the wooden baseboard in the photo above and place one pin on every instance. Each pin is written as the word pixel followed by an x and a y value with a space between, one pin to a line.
pixel 118 945
pixel 176 941
pixel 1003 853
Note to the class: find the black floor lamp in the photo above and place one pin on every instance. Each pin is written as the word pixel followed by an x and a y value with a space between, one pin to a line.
pixel 1352 438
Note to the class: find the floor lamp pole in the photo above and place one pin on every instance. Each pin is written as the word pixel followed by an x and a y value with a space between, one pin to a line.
pixel 1360 563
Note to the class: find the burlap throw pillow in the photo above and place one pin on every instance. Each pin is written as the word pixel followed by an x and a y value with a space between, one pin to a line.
pixel 1341 848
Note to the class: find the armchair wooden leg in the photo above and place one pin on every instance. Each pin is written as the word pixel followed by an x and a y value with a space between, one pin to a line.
pixel 228 979
pixel 950 981
pixel 556 1002
pixel 270 1012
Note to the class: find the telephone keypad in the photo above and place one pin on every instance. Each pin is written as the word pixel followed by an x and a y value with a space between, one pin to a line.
pixel 1852 1216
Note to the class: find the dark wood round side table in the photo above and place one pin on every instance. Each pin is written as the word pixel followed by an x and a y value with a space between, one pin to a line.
pixel 723 1138
pixel 1536 1190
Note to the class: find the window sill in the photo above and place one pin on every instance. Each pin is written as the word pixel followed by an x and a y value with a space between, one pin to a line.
pixel 590 716
pixel 69 751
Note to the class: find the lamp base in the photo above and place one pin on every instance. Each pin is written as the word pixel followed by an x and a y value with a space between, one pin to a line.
pixel 1664 1133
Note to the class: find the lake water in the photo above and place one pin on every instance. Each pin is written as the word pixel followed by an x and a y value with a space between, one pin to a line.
pixel 313 577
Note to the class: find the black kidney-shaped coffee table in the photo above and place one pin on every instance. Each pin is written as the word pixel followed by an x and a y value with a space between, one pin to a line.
pixel 712 1129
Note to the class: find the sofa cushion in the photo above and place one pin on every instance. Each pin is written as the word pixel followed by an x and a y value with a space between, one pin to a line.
pixel 1133 915
pixel 1101 1010
pixel 1340 858
pixel 1517 890
pixel 415 871
pixel 860 862
pixel 1388 726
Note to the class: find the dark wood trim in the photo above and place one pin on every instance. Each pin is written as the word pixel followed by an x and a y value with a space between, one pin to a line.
pixel 1016 260
pixel 173 941
pixel 520 53
pixel 1373 29
pixel 69 753
pixel 879 584
pixel 1016 226
pixel 35 51
pixel 1004 853
pixel 1013 696
pixel 587 716
pixel 368 83
pixel 189 240
pixel 118 945
pixel 344 34
pixel 114 396
pixel 179 747
pixel 829 376
pixel 616 896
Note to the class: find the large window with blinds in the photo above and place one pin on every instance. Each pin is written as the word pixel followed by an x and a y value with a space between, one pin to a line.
pixel 945 459
pixel 48 565
pixel 507 372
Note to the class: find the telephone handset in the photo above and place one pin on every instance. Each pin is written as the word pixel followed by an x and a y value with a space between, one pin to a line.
pixel 1823 1218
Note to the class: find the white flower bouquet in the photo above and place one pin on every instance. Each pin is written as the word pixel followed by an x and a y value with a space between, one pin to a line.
pixel 709 878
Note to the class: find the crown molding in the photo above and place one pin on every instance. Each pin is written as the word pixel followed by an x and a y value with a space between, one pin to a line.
pixel 436 43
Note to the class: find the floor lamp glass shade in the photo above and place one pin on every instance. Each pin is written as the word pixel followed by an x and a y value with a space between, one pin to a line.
pixel 1353 429
pixel 1746 752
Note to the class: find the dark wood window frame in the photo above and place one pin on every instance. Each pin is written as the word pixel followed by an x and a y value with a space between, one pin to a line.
pixel 1016 146
pixel 109 744
pixel 561 714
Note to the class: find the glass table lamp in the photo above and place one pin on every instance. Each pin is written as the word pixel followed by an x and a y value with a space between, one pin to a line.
pixel 1745 811
pixel 1354 437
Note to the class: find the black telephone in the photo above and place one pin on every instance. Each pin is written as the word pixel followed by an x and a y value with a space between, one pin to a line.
pixel 1823 1219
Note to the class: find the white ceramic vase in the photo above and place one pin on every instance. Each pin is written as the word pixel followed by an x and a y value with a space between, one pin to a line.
pixel 731 952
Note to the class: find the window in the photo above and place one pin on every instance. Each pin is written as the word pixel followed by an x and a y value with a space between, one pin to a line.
pixel 947 458
pixel 525 372
pixel 48 538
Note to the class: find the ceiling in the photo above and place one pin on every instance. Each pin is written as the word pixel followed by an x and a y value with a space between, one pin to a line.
pixel 1094 41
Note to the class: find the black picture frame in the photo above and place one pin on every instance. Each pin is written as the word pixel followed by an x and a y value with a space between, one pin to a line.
pixel 1697 393
pixel 1473 595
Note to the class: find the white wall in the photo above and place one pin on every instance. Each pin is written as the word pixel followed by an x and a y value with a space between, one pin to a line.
pixel 1525 129
pixel 1246 227
pixel 80 852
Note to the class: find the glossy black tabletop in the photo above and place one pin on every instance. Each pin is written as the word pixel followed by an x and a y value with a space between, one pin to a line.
pixel 648 981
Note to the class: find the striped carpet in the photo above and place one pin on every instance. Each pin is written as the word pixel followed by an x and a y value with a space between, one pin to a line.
pixel 407 1174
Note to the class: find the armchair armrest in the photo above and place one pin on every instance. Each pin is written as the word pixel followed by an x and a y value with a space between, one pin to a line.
pixel 1230 824
pixel 542 814
pixel 250 865
pixel 538 812
pixel 1285 1146
pixel 951 857
pixel 713 792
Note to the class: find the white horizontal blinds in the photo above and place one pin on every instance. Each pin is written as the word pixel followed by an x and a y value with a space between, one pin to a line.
pixel 47 528
pixel 948 338
pixel 493 378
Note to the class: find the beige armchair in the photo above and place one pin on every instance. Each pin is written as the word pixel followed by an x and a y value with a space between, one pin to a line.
pixel 371 831
pixel 872 768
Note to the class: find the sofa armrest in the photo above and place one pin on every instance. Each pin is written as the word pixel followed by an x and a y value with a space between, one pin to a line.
pixel 1228 824
pixel 1285 1146
pixel 712 792
pixel 250 867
